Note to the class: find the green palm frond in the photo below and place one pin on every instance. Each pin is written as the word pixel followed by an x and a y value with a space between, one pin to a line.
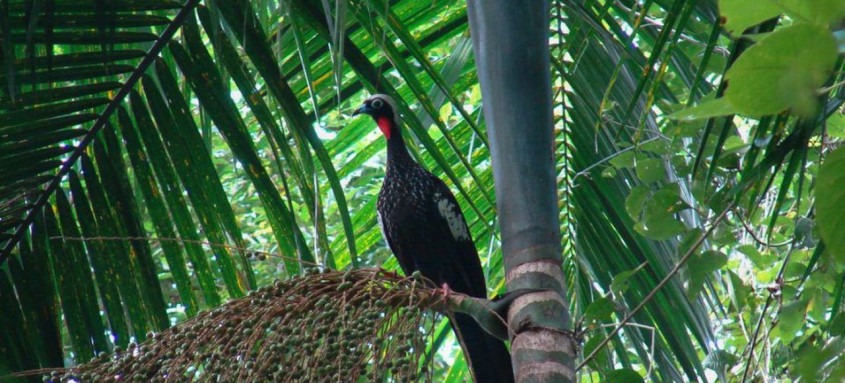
pixel 158 158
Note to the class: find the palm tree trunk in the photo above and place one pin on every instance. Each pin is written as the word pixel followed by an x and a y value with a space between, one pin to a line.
pixel 510 42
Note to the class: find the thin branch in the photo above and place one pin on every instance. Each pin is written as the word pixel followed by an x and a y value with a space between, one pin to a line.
pixel 772 293
pixel 759 241
pixel 586 170
pixel 652 330
pixel 698 242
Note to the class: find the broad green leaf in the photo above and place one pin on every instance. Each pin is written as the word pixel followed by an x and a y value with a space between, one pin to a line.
pixel 782 71
pixel 689 240
pixel 830 203
pixel 659 147
pixel 819 362
pixel 791 319
pixel 754 255
pixel 625 375
pixel 733 144
pixel 636 201
pixel 650 170
pixel 818 12
pixel 624 160
pixel 819 298
pixel 700 266
pixel 836 125
pixel 740 292
pixel 659 220
pixel 621 281
pixel 598 311
pixel 739 15
pixel 810 361
pixel 707 109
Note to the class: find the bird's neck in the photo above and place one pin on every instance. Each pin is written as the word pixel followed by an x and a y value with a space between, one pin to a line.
pixel 397 154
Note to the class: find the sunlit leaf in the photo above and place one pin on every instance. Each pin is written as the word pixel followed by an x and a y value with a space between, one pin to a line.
pixel 791 319
pixel 626 375
pixel 711 108
pixel 739 15
pixel 650 170
pixel 782 71
pixel 599 311
pixel 700 266
pixel 831 202
pixel 659 220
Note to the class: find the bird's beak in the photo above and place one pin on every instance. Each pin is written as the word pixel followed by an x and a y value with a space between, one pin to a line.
pixel 364 109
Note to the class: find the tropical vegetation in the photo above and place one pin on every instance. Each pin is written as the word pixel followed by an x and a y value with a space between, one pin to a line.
pixel 160 158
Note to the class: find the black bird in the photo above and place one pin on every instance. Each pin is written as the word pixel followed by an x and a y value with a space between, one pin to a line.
pixel 426 230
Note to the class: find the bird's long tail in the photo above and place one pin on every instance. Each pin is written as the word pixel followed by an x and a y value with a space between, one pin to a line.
pixel 487 356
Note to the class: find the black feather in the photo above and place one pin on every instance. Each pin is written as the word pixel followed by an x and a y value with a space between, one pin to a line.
pixel 426 230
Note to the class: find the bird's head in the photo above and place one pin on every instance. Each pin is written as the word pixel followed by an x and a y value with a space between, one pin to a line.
pixel 382 109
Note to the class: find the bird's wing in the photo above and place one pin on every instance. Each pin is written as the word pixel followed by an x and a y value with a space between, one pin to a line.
pixel 459 256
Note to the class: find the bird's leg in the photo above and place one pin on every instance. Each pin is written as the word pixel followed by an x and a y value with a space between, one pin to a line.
pixel 445 290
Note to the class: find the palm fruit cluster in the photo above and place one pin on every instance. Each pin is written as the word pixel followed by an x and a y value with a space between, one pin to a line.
pixel 355 326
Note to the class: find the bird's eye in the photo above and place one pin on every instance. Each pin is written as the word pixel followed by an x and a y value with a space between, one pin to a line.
pixel 377 103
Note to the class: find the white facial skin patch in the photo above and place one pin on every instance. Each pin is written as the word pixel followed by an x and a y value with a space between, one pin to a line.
pixel 453 217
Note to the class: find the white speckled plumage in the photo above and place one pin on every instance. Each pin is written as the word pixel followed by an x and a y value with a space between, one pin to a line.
pixel 452 215
pixel 423 225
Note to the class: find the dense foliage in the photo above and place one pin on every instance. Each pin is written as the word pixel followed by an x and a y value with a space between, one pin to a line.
pixel 700 186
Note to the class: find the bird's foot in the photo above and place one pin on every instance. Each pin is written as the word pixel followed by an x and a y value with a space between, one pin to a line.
pixel 445 290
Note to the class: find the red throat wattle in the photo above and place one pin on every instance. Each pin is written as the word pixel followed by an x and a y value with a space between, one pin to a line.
pixel 386 126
